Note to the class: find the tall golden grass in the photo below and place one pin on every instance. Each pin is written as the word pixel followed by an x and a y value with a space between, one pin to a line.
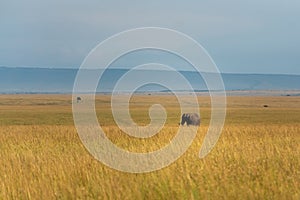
pixel 256 157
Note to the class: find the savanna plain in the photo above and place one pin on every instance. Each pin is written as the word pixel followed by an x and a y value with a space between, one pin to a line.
pixel 257 155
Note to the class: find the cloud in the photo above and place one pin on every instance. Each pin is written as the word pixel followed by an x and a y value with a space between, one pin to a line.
pixel 239 34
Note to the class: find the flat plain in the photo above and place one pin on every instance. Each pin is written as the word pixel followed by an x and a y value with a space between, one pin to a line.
pixel 256 157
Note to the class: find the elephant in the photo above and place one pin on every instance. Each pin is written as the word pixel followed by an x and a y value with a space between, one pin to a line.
pixel 190 119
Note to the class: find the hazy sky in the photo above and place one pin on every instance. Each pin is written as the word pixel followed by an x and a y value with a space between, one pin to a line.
pixel 259 36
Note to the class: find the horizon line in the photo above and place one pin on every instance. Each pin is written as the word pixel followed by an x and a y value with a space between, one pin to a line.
pixel 119 68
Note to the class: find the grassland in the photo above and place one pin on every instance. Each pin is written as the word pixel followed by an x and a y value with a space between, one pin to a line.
pixel 256 157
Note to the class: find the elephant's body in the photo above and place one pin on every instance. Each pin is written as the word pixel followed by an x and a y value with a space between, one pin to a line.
pixel 190 119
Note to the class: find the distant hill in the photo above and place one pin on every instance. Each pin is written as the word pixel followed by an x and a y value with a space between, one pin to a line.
pixel 52 80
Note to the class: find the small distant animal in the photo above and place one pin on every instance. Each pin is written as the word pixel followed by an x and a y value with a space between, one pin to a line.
pixel 266 106
pixel 190 119
pixel 78 99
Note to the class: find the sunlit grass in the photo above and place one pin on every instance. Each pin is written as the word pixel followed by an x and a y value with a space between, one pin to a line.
pixel 256 157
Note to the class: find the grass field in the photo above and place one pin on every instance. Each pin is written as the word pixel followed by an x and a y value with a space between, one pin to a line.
pixel 256 157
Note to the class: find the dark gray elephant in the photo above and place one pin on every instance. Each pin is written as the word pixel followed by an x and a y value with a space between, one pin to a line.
pixel 190 119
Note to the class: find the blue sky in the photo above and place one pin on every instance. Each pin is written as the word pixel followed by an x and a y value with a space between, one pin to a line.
pixel 259 36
